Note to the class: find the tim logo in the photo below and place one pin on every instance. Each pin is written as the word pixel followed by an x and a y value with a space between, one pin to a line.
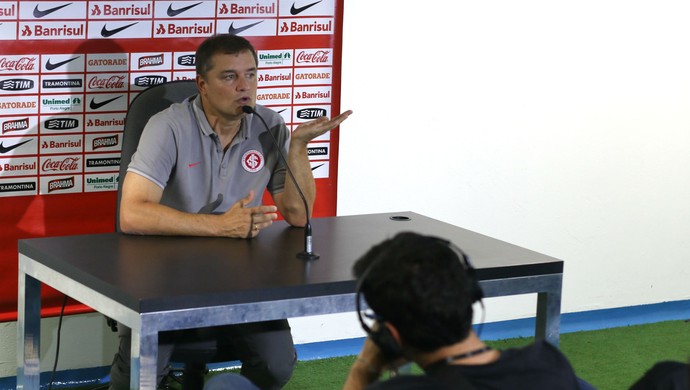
pixel 15 125
pixel 151 61
pixel 147 81
pixel 311 113
pixel 188 60
pixel 61 124
pixel 16 84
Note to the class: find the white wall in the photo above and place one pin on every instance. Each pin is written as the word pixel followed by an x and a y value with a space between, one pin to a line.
pixel 560 126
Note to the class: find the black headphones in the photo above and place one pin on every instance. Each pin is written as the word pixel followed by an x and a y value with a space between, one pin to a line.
pixel 381 336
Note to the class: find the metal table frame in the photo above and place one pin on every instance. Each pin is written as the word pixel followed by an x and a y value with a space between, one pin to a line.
pixel 145 326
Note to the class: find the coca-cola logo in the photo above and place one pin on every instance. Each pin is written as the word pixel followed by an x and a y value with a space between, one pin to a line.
pixel 65 165
pixel 317 57
pixel 112 82
pixel 20 64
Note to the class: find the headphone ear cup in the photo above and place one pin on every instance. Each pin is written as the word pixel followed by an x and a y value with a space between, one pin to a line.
pixel 475 289
pixel 383 338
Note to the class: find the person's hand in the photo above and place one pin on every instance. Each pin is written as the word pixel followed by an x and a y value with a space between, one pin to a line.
pixel 246 222
pixel 369 366
pixel 307 131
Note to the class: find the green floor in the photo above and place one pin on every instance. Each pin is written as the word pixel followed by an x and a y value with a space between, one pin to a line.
pixel 609 359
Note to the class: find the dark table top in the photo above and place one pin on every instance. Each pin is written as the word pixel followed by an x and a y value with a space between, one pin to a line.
pixel 158 273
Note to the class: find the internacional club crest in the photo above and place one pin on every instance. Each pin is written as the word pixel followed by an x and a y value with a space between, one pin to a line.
pixel 252 161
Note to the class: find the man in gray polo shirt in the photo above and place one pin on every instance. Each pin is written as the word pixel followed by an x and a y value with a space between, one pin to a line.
pixel 200 169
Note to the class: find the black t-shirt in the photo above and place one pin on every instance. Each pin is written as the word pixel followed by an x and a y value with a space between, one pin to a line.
pixel 535 367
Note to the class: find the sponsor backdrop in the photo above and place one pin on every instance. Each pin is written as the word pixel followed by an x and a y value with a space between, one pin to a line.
pixel 68 70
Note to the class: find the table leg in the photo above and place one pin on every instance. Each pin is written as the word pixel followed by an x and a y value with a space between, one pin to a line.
pixel 144 364
pixel 28 332
pixel 549 315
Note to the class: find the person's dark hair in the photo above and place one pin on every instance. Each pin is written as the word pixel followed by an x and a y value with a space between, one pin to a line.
pixel 419 284
pixel 224 44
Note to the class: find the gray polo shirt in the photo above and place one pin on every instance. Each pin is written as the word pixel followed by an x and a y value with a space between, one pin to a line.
pixel 179 152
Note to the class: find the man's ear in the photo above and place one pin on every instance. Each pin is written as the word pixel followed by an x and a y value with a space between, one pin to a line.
pixel 393 331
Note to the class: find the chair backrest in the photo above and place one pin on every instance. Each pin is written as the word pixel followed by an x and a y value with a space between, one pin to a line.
pixel 148 102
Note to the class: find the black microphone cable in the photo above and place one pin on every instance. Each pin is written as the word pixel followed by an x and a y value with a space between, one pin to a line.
pixel 308 253
pixel 57 346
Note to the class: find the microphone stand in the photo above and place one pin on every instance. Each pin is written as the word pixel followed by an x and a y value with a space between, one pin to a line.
pixel 308 252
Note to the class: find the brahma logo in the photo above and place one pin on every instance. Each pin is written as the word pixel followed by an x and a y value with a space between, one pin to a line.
pixel 151 61
pixel 105 142
pixel 61 184
pixel 253 161
pixel 15 125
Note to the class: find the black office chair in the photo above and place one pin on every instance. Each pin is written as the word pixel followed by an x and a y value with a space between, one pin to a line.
pixel 194 354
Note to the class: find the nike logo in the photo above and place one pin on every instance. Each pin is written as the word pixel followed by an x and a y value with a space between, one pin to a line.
pixel 317 167
pixel 105 33
pixel 234 31
pixel 298 10
pixel 40 14
pixel 96 106
pixel 4 149
pixel 174 12
pixel 51 66
pixel 192 165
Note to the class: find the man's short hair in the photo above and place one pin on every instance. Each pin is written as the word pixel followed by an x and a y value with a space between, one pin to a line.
pixel 420 285
pixel 221 44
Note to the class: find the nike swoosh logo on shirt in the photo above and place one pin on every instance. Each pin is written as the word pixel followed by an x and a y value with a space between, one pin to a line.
pixel 174 12
pixel 96 105
pixel 51 66
pixel 298 10
pixel 105 33
pixel 42 13
pixel 5 149
pixel 234 31
pixel 192 165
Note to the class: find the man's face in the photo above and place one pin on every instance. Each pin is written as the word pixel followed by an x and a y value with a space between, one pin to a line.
pixel 229 84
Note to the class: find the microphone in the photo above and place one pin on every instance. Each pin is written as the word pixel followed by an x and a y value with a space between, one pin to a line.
pixel 308 253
